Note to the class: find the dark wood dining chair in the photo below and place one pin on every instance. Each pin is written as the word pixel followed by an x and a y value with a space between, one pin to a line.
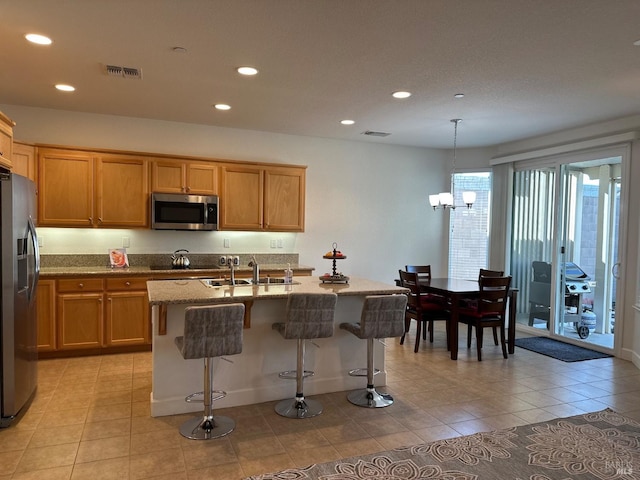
pixel 489 311
pixel 424 276
pixel 422 309
pixel 491 273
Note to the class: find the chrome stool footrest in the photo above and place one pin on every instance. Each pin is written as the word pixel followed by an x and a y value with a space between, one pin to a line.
pixel 292 374
pixel 370 398
pixel 362 372
pixel 215 395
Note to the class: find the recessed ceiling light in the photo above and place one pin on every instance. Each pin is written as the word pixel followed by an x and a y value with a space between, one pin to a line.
pixel 247 70
pixel 65 88
pixel 637 43
pixel 39 39
pixel 222 106
pixel 459 95
pixel 347 122
pixel 401 94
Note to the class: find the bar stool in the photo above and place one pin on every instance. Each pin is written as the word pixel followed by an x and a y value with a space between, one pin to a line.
pixel 382 317
pixel 210 331
pixel 308 315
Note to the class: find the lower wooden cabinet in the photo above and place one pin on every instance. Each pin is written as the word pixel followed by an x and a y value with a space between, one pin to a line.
pixel 80 320
pixel 46 308
pixel 127 312
pixel 92 314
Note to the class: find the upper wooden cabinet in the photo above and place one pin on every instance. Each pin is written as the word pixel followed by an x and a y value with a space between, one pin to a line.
pixel 24 160
pixel 175 176
pixel 86 189
pixel 262 198
pixel 6 140
pixel 122 189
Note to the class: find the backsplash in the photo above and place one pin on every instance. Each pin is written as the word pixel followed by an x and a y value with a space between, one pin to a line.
pixel 158 260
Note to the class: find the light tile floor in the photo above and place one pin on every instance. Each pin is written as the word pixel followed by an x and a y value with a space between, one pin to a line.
pixel 90 418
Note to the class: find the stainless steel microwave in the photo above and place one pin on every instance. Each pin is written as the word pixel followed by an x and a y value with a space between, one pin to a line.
pixel 177 211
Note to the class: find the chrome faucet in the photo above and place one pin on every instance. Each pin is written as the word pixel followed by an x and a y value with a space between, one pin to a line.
pixel 256 269
pixel 232 266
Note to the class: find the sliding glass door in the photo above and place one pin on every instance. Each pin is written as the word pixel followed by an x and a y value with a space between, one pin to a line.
pixel 564 246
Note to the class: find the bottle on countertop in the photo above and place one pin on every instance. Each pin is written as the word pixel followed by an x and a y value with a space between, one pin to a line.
pixel 288 274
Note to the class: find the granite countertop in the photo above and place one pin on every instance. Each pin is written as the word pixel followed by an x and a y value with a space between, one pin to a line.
pixel 146 270
pixel 195 291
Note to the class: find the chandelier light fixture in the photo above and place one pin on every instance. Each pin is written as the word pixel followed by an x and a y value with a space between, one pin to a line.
pixel 446 200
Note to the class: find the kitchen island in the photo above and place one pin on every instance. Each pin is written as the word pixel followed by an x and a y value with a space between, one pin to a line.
pixel 253 375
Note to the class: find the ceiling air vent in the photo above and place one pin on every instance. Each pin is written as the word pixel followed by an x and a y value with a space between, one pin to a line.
pixel 126 72
pixel 371 133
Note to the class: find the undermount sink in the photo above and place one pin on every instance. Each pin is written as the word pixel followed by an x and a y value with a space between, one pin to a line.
pixel 225 282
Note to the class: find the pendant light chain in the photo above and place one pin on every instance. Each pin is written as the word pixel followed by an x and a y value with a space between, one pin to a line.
pixel 455 121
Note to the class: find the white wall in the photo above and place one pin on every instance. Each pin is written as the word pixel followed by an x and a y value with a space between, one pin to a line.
pixel 369 198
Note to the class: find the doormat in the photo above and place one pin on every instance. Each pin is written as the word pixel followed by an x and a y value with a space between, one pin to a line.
pixel 559 350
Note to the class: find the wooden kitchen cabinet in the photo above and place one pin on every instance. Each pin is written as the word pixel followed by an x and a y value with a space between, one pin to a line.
pixel 127 312
pixel 6 141
pixel 284 193
pixel 262 198
pixel 65 188
pixel 122 191
pixel 93 315
pixel 78 188
pixel 46 308
pixel 24 160
pixel 80 314
pixel 183 176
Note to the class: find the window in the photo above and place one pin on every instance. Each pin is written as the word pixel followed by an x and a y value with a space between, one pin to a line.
pixel 469 232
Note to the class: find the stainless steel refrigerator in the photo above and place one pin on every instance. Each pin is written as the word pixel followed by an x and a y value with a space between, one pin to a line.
pixel 20 267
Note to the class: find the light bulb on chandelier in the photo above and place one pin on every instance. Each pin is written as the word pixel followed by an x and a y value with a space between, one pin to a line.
pixel 446 199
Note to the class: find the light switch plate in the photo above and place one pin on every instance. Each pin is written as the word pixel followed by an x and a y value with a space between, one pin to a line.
pixel 226 243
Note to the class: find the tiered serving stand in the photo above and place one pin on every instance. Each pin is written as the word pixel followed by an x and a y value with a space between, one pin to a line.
pixel 335 277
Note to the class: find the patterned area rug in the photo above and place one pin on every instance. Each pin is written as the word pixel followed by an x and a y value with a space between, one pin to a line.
pixel 558 350
pixel 599 445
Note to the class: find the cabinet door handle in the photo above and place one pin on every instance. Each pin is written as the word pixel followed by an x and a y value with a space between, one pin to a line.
pixel 99 219
pixel 81 285
pixel 90 219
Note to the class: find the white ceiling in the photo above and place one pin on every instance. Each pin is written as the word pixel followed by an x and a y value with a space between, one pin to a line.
pixel 526 67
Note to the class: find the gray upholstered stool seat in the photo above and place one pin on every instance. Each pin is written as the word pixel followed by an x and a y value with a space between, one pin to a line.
pixel 308 316
pixel 210 331
pixel 382 317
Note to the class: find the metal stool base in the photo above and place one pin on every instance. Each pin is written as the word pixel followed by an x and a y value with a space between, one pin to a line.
pixel 207 428
pixel 298 408
pixel 370 398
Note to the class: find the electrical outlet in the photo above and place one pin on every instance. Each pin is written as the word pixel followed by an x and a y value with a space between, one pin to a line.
pixel 40 241
pixel 279 243
pixel 223 260
pixel 236 260
pixel 272 244
pixel 125 242
pixel 226 243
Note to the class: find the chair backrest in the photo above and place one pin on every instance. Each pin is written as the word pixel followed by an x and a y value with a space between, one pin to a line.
pixel 212 331
pixel 493 295
pixel 310 315
pixel 490 273
pixel 423 271
pixel 411 281
pixel 383 316
pixel 541 272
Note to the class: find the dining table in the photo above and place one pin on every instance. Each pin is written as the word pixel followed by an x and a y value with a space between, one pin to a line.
pixel 454 290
